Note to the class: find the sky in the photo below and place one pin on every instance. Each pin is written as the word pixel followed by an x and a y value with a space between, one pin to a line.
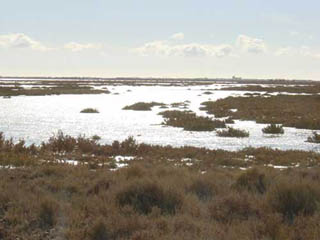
pixel 167 38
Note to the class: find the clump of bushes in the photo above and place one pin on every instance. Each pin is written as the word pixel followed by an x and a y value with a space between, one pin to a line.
pixel 293 198
pixel 144 196
pixel 142 106
pixel 189 121
pixel 89 110
pixel 204 189
pixel 232 132
pixel 252 180
pixel 99 231
pixel 315 138
pixel 47 213
pixel 273 129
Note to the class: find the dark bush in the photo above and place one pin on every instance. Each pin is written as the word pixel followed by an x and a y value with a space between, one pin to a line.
pixel 143 196
pixel 203 189
pixel 293 198
pixel 99 231
pixel 252 180
pixel 232 132
pixel 273 129
pixel 47 213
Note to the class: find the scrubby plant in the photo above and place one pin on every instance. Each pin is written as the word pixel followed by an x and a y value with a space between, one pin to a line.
pixel 99 231
pixel 315 138
pixel 89 110
pixel 60 142
pixel 204 189
pixel 273 129
pixel 252 180
pixel 232 132
pixel 47 213
pixel 145 195
pixel 293 198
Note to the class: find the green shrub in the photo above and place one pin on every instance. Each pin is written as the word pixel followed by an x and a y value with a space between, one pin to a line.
pixel 273 129
pixel 232 132
pixel 293 198
pixel 143 196
pixel 89 110
pixel 251 180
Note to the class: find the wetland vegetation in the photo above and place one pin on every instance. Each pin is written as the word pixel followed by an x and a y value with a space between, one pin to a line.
pixel 233 132
pixel 163 193
pixel 291 111
pixel 89 110
pixel 80 188
pixel 273 129
pixel 189 121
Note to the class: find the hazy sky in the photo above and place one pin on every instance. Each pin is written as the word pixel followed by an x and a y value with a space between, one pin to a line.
pixel 167 38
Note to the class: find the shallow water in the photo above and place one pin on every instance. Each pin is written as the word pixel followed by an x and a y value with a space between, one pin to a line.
pixel 36 118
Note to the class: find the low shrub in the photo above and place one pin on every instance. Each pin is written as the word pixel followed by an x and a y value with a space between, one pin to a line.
pixel 143 196
pixel 273 129
pixel 252 180
pixel 232 132
pixel 47 213
pixel 99 231
pixel 293 198
pixel 232 207
pixel 89 110
pixel 203 189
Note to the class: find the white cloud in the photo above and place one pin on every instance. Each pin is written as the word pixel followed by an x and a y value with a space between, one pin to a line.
pixel 77 47
pixel 20 40
pixel 285 51
pixel 251 45
pixel 164 48
pixel 177 36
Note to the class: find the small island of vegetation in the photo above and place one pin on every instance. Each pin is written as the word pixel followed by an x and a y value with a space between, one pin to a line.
pixel 89 110
pixel 189 121
pixel 273 129
pixel 233 132
pixel 142 106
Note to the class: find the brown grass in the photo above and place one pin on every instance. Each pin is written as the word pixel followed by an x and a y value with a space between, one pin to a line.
pixel 291 111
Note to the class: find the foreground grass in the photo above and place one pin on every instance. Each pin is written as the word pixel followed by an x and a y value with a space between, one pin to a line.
pixel 291 111
pixel 154 197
